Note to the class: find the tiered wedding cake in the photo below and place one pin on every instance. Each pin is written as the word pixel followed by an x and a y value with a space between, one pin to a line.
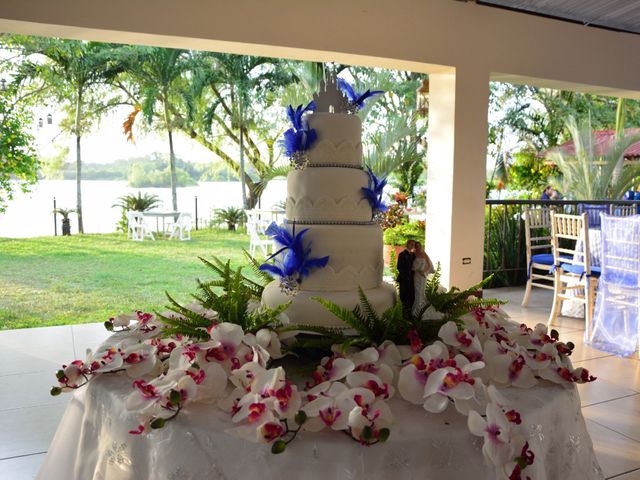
pixel 326 198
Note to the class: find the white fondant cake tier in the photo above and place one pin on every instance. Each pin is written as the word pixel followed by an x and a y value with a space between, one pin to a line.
pixel 303 310
pixel 355 256
pixel 327 194
pixel 339 139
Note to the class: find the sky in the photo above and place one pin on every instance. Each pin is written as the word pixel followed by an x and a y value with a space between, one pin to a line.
pixel 107 143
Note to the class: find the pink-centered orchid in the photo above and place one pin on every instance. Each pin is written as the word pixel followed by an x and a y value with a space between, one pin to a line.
pixel 464 341
pixel 332 369
pixel 453 382
pixel 498 433
pixel 413 376
pixel 508 364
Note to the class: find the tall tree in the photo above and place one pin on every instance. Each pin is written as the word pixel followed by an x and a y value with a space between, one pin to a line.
pixel 159 76
pixel 18 160
pixel 228 108
pixel 76 73
pixel 536 116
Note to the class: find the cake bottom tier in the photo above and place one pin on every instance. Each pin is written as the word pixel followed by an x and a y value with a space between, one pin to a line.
pixel 305 311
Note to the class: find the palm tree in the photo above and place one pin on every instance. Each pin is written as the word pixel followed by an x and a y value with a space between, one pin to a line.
pixel 75 72
pixel 158 75
pixel 218 111
pixel 592 175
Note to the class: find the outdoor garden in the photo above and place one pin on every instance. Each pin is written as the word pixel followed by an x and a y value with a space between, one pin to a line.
pixel 233 108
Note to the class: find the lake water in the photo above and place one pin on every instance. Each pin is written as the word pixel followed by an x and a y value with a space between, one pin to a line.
pixel 30 214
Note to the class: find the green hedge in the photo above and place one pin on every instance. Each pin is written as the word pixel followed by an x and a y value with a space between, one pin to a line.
pixel 399 234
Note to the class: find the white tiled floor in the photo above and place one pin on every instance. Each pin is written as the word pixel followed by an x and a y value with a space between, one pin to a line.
pixel 611 404
pixel 29 415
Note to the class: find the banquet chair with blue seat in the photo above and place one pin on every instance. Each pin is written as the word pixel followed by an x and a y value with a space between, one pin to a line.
pixel 623 210
pixel 593 213
pixel 615 325
pixel 537 229
pixel 574 278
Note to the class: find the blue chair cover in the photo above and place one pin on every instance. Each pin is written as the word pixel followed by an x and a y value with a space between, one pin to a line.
pixel 593 213
pixel 615 322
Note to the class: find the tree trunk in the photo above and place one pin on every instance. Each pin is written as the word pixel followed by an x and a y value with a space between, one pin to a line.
pixel 172 159
pixel 79 162
pixel 242 172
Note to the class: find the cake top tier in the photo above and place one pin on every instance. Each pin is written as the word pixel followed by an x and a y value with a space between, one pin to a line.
pixel 339 139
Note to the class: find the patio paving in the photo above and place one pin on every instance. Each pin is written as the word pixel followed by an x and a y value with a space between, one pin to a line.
pixel 29 415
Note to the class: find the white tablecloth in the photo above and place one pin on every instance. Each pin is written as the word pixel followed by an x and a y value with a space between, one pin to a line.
pixel 92 443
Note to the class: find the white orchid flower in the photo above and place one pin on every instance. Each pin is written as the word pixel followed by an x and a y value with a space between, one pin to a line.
pixel 498 447
pixel 370 382
pixel 413 376
pixel 464 341
pixel 507 364
pixel 454 382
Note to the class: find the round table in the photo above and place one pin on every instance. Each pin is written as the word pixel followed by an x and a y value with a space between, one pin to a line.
pixel 92 442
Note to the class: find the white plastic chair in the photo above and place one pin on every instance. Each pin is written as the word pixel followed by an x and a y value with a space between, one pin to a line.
pixel 130 223
pixel 182 227
pixel 255 228
pixel 139 227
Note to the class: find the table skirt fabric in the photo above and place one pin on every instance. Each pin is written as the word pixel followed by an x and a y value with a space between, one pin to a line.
pixel 92 442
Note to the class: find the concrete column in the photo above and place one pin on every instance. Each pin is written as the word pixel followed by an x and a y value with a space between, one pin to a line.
pixel 457 138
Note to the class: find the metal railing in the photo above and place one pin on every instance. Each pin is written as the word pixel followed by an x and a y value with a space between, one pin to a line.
pixel 504 236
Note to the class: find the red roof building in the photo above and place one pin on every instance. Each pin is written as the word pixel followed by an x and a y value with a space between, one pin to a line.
pixel 603 139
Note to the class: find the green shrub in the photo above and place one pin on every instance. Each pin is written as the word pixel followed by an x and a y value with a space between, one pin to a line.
pixel 399 234
pixel 530 172
pixel 232 216
pixel 504 252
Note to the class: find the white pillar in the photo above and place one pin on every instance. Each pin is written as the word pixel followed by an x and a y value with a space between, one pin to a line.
pixel 457 135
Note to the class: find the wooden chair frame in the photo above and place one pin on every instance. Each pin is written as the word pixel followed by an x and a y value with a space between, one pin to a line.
pixel 535 220
pixel 623 210
pixel 572 229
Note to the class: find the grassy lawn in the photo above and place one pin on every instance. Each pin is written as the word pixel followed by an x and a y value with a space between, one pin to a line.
pixel 80 279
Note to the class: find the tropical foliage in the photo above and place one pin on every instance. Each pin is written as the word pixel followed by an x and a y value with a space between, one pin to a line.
pixel 138 203
pixel 18 161
pixel 528 172
pixel 232 216
pixel 586 175
pixel 399 234
pixel 73 74
pixel 233 295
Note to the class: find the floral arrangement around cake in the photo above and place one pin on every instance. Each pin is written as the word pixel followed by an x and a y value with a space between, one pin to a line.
pixel 229 351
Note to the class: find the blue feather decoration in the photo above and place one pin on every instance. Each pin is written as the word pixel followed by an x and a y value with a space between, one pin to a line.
pixel 296 115
pixel 299 138
pixel 298 141
pixel 373 193
pixel 293 261
pixel 356 99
